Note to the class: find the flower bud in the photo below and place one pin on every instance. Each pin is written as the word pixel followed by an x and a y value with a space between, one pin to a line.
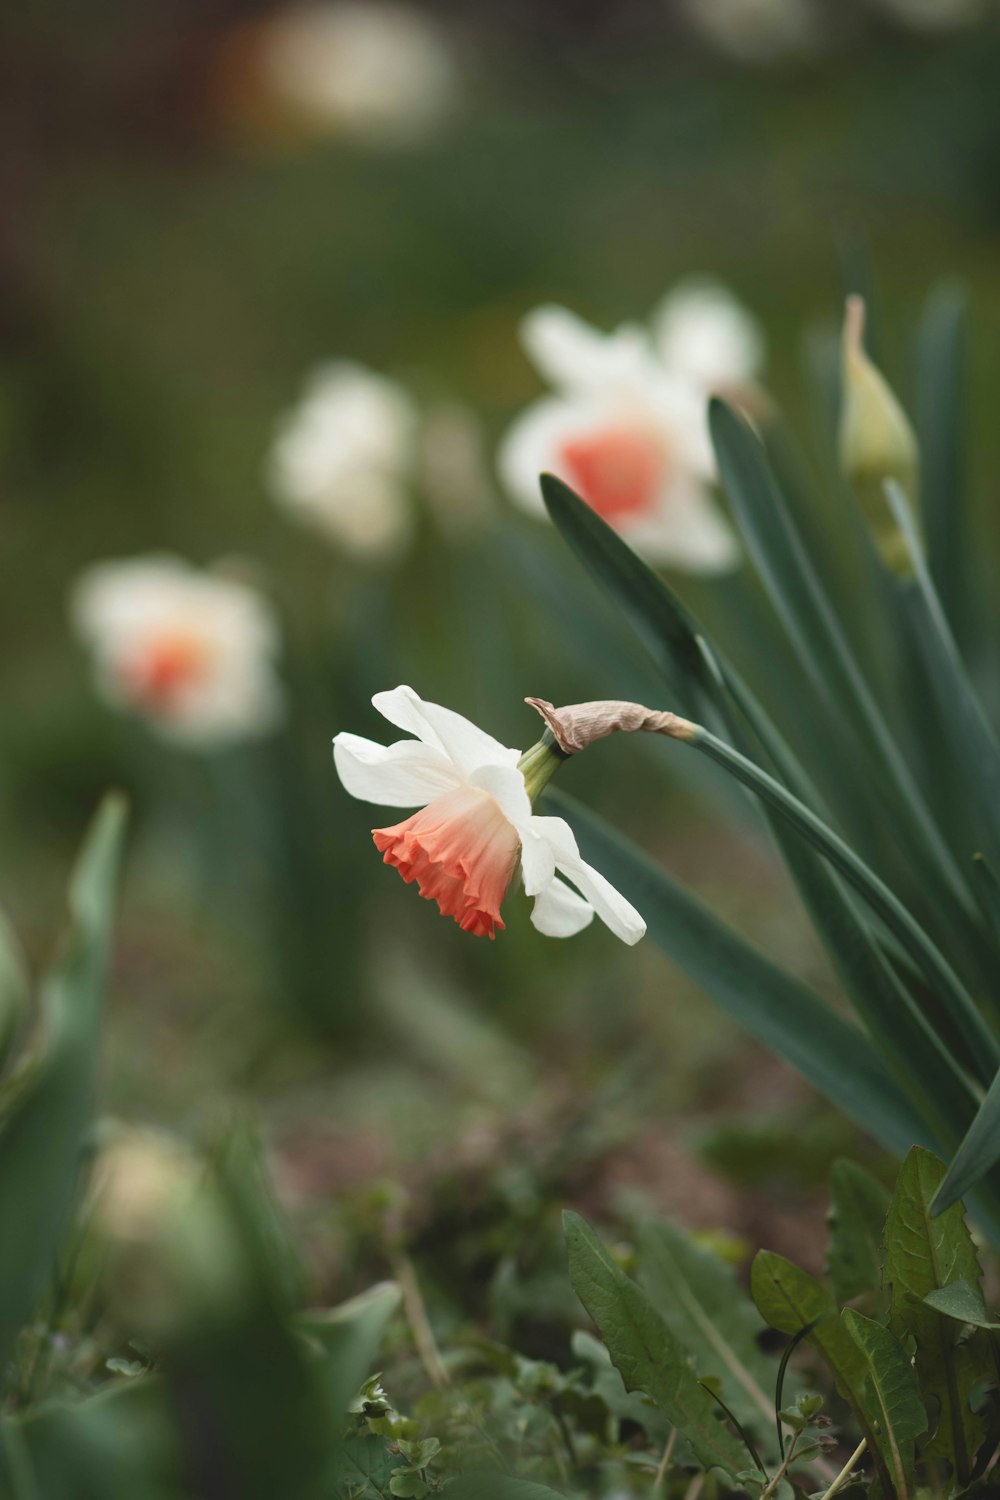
pixel 877 443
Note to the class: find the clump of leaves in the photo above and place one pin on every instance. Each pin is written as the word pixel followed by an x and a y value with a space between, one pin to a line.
pixel 910 1364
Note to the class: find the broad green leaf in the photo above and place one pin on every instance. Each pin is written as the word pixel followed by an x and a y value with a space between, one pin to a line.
pixel 963 1301
pixel 923 1255
pixel 498 1487
pixel 625 1406
pixel 120 1444
pixel 349 1337
pixel 13 989
pixel 893 1398
pixel 645 1352
pixel 708 1312
pixel 364 1467
pixel 779 1010
pixel 858 1207
pixel 790 1300
pixel 41 1139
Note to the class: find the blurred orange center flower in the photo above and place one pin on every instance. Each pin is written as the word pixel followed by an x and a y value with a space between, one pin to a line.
pixel 165 667
pixel 462 852
pixel 619 471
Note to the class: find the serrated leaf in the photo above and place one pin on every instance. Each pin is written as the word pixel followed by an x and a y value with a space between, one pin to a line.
pixel 856 1218
pixel 645 1352
pixel 775 1007
pixel 41 1140
pixel 712 1317
pixel 924 1254
pixel 892 1395
pixel 626 1406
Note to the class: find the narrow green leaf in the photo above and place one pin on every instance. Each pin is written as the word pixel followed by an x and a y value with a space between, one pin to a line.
pixel 982 1045
pixel 816 634
pixel 892 1395
pixel 858 1207
pixel 655 613
pixel 987 889
pixel 924 1255
pixel 41 1139
pixel 708 1312
pixel 978 1152
pixel 779 1010
pixel 645 1352
pixel 940 403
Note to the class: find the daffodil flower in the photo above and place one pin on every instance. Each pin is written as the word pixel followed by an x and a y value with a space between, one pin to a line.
pixel 475 825
pixel 627 434
pixel 193 653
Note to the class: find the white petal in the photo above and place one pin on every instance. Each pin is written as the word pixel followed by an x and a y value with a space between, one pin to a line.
pixel 703 332
pixel 610 905
pixel 406 774
pixel 533 445
pixel 570 353
pixel 560 912
pixel 466 745
pixel 505 785
pixel 689 531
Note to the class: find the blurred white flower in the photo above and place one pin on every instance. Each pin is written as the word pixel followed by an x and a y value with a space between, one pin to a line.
pixel 758 31
pixel 192 653
pixel 343 458
pixel 701 331
pixel 627 434
pixel 937 15
pixel 369 68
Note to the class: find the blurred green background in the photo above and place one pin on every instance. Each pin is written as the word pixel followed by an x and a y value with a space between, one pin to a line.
pixel 169 272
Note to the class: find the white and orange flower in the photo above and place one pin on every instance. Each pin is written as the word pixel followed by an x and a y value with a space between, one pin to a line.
pixel 705 334
pixel 190 652
pixel 343 458
pixel 628 434
pixel 474 826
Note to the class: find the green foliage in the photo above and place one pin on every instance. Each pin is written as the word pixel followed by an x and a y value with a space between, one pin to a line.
pixel 42 1133
pixel 891 1397
pixel 645 1352
pixel 858 1206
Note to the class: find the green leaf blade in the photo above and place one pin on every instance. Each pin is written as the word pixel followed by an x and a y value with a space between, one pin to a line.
pixel 892 1396
pixel 643 1349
